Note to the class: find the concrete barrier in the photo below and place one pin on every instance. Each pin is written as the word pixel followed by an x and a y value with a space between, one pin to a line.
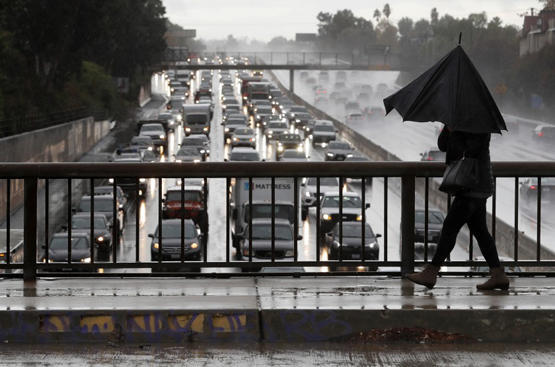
pixel 61 143
pixel 504 232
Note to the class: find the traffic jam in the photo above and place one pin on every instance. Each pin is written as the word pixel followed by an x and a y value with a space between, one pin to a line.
pixel 230 116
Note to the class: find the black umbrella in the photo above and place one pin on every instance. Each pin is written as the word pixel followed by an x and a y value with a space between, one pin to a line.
pixel 452 92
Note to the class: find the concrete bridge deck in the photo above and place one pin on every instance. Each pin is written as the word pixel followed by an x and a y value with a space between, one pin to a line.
pixel 274 309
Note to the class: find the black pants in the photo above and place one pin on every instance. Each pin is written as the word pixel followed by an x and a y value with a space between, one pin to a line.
pixel 471 211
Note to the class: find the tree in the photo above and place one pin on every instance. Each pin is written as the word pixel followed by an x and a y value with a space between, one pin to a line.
pixel 377 15
pixel 386 11
pixel 405 26
pixel 434 16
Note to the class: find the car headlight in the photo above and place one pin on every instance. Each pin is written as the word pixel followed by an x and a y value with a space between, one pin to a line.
pixel 270 132
pixel 226 129
pixel 359 217
pixel 292 115
pixel 329 154
pixel 251 140
pixel 178 160
pixel 140 192
pixel 86 260
pixel 188 129
pixel 372 245
pixel 300 148
pixel 100 239
pixel 258 117
pixel 307 194
pixel 297 120
pixel 349 155
pixel 269 136
pixel 142 180
pixel 162 136
pixel 289 253
pixel 205 129
pixel 280 148
pixel 202 151
pixel 149 148
pixel 235 139
pixel 194 245
pixel 326 217
pixel 156 245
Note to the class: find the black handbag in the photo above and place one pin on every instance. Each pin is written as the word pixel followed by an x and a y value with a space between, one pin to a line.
pixel 460 176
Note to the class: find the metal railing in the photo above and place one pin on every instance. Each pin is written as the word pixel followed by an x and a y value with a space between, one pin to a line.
pixel 407 172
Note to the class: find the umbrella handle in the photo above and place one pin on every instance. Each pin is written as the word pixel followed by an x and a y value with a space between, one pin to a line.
pixel 460 37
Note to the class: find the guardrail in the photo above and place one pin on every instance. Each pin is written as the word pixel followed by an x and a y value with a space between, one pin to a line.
pixel 408 172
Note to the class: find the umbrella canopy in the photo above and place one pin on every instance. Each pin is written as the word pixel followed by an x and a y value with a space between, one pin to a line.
pixel 452 92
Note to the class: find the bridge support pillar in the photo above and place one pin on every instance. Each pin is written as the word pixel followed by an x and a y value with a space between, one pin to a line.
pixel 292 80
pixel 407 224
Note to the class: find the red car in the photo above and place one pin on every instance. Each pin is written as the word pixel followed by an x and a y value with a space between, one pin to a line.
pixel 194 208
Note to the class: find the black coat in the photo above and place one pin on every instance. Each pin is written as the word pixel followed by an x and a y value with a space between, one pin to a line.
pixel 456 144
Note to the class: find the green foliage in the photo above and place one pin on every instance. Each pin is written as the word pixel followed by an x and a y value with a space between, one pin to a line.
pixel 59 45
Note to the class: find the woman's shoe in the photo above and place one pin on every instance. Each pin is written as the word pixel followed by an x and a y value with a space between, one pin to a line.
pixel 426 277
pixel 498 280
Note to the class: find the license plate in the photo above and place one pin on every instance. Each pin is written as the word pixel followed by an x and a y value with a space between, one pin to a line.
pixel 355 256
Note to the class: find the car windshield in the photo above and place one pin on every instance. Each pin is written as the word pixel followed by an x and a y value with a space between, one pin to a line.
pixel 197 118
pixel 324 128
pixel 433 217
pixel 348 202
pixel 298 109
pixel 244 156
pixel 187 151
pixel 545 181
pixel 263 110
pixel 101 204
pixel 264 232
pixel 339 145
pixel 293 154
pixel 354 229
pixel 244 131
pixel 141 140
pixel 85 223
pixel 151 128
pixel 189 195
pixel 278 125
pixel 60 243
pixel 165 116
pixel 324 181
pixel 173 230
pixel 193 141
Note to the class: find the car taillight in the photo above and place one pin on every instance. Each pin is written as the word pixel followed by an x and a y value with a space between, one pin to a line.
pixel 532 187
pixel 429 159
pixel 540 134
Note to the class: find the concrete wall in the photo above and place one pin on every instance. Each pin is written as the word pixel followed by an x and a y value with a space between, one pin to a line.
pixel 61 143
pixel 504 232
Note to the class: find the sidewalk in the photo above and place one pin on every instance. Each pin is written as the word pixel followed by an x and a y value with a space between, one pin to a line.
pixel 274 309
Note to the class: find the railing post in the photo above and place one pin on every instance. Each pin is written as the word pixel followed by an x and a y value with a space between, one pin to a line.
pixel 292 80
pixel 407 224
pixel 30 229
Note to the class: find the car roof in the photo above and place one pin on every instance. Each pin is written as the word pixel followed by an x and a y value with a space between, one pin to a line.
pixel 345 193
pixel 88 214
pixel 244 150
pixel 187 188
pixel 323 122
pixel 277 221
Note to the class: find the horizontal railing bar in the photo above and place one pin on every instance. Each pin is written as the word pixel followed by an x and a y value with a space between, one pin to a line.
pixel 258 169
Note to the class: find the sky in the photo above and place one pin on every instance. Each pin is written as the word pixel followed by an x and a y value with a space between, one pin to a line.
pixel 263 20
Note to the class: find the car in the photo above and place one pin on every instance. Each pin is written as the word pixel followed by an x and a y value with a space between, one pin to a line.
pixel 327 184
pixel 276 128
pixel 363 97
pixel 194 205
pixel 262 240
pixel 131 185
pixel 348 244
pixel 339 150
pixel 375 113
pixel 157 133
pixel 171 124
pixel 352 106
pixel 433 155
pixel 323 77
pixel 329 209
pixel 127 153
pixel 97 157
pixel 340 75
pixel 104 204
pixel 544 134
pixel 122 197
pixel 338 86
pixel 435 223
pixel 252 105
pixel 262 115
pixel 143 142
pixel 235 107
pixel 310 80
pixel 292 112
pixel 293 155
pixel 275 93
pixel 289 141
pixel 529 188
pixel 81 223
pixel 58 250
pixel 234 115
pixel 231 126
pixel 148 156
pixel 242 154
pixel 176 102
pixel 323 131
pixel 167 246
pixel 200 142
pixel 357 157
pixel 341 100
pixel 354 117
pixel 243 137
pixel 188 154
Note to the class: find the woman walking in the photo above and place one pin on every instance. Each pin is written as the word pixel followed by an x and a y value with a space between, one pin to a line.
pixel 468 207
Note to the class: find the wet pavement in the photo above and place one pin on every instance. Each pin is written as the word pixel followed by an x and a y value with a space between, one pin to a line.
pixel 273 354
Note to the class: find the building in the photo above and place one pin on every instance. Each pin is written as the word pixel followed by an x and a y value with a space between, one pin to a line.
pixel 537 31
